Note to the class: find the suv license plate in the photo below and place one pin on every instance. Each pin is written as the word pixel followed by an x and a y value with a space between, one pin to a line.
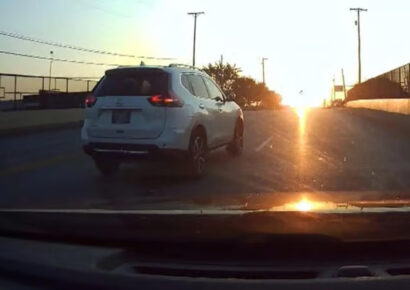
pixel 121 116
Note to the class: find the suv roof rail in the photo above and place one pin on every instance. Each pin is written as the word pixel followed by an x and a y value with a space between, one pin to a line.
pixel 182 65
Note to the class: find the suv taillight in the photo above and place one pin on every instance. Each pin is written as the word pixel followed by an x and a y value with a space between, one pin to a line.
pixel 90 101
pixel 165 101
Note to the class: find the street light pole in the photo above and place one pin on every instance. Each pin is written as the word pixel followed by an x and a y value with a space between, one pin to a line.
pixel 359 40
pixel 51 64
pixel 263 69
pixel 195 14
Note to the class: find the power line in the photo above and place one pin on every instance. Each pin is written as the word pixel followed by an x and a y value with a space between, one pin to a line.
pixel 68 46
pixel 57 59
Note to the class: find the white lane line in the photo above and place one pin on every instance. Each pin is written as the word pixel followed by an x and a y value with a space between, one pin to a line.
pixel 264 143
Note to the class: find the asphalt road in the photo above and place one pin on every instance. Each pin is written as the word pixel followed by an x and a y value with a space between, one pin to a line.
pixel 338 151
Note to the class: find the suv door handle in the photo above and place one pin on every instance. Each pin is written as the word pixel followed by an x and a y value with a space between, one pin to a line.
pixel 201 106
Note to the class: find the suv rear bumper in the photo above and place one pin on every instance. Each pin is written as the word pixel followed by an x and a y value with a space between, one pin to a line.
pixel 130 152
pixel 177 139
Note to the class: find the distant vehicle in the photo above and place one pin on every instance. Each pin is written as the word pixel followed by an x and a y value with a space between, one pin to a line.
pixel 159 112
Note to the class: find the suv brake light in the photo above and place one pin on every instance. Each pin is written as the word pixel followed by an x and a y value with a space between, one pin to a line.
pixel 165 101
pixel 89 101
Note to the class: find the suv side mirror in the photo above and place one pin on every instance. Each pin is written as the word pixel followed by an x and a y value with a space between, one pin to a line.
pixel 218 99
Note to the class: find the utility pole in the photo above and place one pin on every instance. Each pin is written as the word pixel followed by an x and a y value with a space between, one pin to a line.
pixel 51 63
pixel 263 69
pixel 195 14
pixel 222 58
pixel 358 39
pixel 344 84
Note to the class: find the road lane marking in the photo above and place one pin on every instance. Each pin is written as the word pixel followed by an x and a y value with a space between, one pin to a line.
pixel 264 143
pixel 39 164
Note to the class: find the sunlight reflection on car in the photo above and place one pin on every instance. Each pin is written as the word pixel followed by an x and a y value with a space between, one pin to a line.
pixel 305 204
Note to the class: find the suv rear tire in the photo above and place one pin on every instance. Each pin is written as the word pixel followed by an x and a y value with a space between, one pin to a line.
pixel 197 154
pixel 235 148
pixel 106 166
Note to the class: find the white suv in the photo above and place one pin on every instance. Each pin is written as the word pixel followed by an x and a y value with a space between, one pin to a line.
pixel 159 112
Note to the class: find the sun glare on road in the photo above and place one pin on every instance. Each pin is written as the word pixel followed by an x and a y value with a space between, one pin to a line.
pixel 301 112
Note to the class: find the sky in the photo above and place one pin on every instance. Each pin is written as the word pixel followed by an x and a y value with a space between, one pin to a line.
pixel 307 43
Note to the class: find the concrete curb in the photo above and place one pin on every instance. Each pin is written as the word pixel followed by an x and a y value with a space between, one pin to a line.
pixel 399 106
pixel 39 128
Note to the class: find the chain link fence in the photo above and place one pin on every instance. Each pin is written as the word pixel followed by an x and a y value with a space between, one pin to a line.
pixel 14 88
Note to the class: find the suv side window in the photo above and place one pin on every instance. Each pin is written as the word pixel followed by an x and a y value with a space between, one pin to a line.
pixel 214 91
pixel 198 86
pixel 186 83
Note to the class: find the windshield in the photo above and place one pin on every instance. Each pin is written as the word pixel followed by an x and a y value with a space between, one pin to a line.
pixel 207 107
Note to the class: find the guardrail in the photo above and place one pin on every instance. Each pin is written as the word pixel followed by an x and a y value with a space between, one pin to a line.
pixel 401 106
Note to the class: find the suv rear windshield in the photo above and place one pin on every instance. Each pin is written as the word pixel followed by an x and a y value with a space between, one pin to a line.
pixel 132 82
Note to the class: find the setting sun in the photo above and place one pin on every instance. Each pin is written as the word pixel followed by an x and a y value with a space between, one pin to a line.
pixel 304 205
pixel 302 98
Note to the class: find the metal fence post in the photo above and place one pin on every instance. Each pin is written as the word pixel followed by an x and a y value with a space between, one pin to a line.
pixel 408 78
pixel 66 85
pixel 15 93
pixel 400 77
pixel 88 86
pixel 42 84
